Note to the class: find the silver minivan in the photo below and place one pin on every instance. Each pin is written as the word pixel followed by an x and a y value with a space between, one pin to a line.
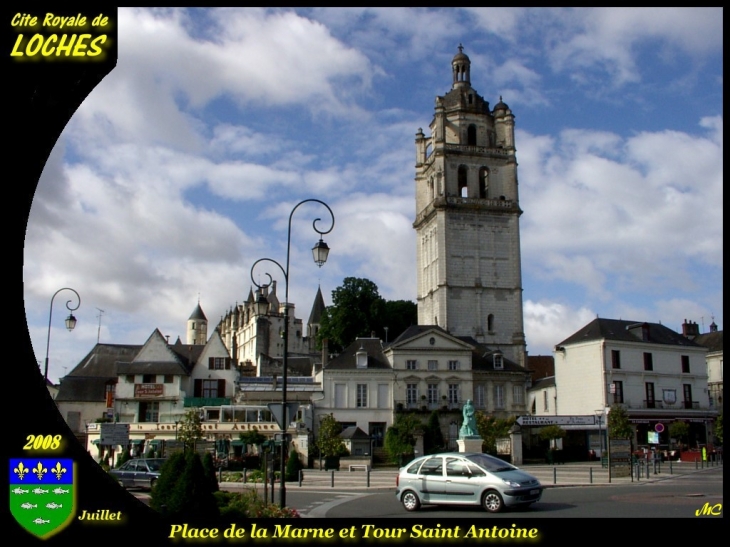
pixel 456 478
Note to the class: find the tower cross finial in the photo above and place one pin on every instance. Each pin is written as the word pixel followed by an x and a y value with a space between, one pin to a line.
pixel 461 48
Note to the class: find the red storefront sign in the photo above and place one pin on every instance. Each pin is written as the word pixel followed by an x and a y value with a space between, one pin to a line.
pixel 148 390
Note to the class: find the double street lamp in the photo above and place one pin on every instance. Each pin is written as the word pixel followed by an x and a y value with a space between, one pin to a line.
pixel 320 251
pixel 70 321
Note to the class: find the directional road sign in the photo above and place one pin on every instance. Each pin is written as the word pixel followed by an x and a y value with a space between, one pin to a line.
pixel 277 411
pixel 556 420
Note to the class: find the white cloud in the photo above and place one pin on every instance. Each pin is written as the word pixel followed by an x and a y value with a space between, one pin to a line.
pixel 548 323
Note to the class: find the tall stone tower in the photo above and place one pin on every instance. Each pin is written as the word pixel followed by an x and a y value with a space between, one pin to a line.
pixel 467 219
pixel 197 326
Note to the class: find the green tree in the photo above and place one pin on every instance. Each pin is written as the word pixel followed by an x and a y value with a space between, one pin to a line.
pixel 433 437
pixel 718 428
pixel 552 432
pixel 253 437
pixel 398 315
pixel 679 431
pixel 293 465
pixel 190 430
pixel 355 311
pixel 209 468
pixel 169 475
pixel 490 429
pixel 399 438
pixel 619 426
pixel 329 441
pixel 192 497
pixel 358 310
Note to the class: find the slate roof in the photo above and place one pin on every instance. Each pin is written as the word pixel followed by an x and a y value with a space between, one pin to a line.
pixel 317 308
pixel 198 314
pixel 541 366
pixel 627 331
pixel 102 359
pixel 87 381
pixel 482 360
pixel 83 389
pixel 346 359
pixel 542 383
pixel 711 340
pixel 416 330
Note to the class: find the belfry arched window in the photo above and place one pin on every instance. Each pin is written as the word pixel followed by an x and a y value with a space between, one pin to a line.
pixel 463 188
pixel 484 183
pixel 471 135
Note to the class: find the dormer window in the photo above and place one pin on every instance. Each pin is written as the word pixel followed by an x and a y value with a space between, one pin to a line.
pixel 361 358
pixel 498 360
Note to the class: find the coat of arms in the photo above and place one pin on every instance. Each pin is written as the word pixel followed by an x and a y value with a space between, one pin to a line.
pixel 42 494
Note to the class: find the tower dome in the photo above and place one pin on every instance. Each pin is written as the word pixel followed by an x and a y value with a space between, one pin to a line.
pixel 460 66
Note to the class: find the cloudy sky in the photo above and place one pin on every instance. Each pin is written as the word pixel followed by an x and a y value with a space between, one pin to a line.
pixel 182 166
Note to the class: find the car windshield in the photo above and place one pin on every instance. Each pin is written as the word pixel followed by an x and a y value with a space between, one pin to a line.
pixel 490 463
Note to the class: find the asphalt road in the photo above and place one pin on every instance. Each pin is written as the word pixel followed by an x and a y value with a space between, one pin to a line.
pixel 673 497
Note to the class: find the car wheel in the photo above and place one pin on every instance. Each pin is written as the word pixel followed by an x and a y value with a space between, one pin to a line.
pixel 492 501
pixel 121 484
pixel 410 501
pixel 152 483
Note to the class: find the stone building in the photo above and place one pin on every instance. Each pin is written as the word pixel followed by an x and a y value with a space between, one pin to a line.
pixel 467 219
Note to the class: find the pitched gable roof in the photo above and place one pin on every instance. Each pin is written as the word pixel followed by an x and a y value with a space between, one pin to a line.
pixel 347 360
pixel 711 340
pixel 627 331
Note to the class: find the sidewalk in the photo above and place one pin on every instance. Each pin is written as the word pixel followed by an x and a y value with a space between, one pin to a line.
pixel 551 476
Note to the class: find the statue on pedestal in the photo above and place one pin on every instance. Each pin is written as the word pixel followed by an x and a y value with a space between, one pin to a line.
pixel 469 426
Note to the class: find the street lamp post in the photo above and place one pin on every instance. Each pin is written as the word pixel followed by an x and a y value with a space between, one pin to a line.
pixel 320 252
pixel 70 321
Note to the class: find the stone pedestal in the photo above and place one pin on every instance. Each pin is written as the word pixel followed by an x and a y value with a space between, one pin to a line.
pixel 515 435
pixel 470 444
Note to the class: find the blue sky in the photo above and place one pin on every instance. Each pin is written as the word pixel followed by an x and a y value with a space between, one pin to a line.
pixel 181 167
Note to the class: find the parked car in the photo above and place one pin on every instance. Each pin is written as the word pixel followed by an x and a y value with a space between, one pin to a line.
pixel 138 473
pixel 454 478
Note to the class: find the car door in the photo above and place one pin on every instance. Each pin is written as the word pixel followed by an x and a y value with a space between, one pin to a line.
pixel 125 474
pixel 463 482
pixel 432 480
pixel 141 474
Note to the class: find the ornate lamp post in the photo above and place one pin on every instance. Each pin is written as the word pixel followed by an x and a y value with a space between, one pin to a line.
pixel 320 252
pixel 70 321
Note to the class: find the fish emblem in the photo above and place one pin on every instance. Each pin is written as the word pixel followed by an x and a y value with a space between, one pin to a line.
pixel 59 491
pixel 27 505
pixel 41 521
pixel 53 505
pixel 40 491
pixel 21 491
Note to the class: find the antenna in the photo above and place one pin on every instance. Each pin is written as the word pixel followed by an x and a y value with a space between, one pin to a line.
pixel 98 330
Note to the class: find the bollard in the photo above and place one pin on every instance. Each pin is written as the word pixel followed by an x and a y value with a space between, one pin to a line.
pixel 590 475
pixel 368 476
pixel 220 475
pixel 638 471
pixel 301 477
pixel 648 472
pixel 696 465
pixel 555 475
pixel 333 479
pixel 670 466
pixel 244 475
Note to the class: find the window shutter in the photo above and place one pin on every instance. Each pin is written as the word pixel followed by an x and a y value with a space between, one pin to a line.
pixel 228 363
pixel 221 388
pixel 211 363
pixel 198 388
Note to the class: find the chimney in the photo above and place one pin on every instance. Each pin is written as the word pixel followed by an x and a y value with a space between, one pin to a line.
pixel 690 329
pixel 325 352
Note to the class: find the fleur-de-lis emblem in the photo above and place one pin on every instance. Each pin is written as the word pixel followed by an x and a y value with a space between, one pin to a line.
pixel 39 470
pixel 21 471
pixel 58 470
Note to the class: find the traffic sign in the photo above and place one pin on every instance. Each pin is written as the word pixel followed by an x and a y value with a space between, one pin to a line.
pixel 277 411
pixel 556 420
pixel 114 434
